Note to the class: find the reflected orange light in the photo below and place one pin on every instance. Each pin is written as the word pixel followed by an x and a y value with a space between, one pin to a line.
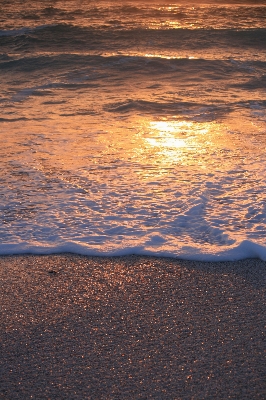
pixel 168 143
pixel 176 134
pixel 149 55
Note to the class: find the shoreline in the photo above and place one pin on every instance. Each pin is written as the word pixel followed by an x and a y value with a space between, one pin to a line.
pixel 131 327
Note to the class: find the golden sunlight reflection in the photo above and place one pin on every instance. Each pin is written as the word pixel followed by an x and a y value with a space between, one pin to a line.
pixel 167 57
pixel 174 138
pixel 165 144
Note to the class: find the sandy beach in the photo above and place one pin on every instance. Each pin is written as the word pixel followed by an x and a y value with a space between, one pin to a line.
pixel 76 327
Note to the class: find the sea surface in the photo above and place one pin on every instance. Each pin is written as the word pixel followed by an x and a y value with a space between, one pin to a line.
pixel 133 127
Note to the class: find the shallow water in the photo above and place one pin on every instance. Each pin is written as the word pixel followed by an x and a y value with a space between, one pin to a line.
pixel 133 129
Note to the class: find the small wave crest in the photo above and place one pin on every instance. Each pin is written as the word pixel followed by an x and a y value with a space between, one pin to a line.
pixel 15 32
pixel 116 36
pixel 148 106
pixel 206 112
pixel 25 30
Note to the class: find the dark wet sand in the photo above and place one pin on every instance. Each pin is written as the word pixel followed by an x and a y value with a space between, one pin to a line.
pixel 78 327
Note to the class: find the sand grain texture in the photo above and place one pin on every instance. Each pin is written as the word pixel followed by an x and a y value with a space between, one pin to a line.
pixel 77 327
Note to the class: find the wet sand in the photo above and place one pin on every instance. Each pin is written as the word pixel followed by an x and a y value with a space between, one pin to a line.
pixel 77 327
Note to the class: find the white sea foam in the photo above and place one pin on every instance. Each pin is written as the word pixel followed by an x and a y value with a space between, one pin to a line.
pixel 244 250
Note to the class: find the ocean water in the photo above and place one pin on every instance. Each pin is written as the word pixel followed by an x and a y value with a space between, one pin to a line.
pixel 133 127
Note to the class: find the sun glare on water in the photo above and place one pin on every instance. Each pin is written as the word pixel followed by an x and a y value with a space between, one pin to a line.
pixel 177 140
pixel 166 145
